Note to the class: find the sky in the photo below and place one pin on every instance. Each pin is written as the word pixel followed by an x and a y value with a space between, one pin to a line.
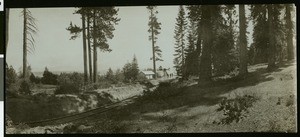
pixel 54 49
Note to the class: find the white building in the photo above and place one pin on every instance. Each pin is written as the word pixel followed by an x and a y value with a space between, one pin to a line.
pixel 148 74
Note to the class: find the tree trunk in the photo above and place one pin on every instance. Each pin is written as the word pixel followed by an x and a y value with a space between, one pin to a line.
pixel 84 49
pixel 289 36
pixel 205 64
pixel 153 49
pixel 95 48
pixel 89 49
pixel 25 43
pixel 198 45
pixel 183 68
pixel 271 57
pixel 242 41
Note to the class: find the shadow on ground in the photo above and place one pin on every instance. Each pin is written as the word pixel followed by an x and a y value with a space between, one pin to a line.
pixel 195 95
pixel 189 97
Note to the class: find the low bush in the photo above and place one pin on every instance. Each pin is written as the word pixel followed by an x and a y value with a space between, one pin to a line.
pixel 234 109
pixel 49 77
pixel 164 90
pixel 25 88
pixel 67 89
pixel 69 83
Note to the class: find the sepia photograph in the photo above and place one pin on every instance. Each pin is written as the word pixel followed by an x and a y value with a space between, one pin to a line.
pixel 151 69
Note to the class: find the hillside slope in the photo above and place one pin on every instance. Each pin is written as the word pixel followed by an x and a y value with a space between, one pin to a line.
pixel 268 101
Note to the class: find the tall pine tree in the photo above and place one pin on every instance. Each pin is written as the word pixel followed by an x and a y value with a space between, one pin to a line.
pixel 242 41
pixel 154 27
pixel 103 20
pixel 29 29
pixel 191 60
pixel 179 60
pixel 224 58
pixel 275 34
pixel 135 68
pixel 289 31
pixel 260 33
pixel 208 13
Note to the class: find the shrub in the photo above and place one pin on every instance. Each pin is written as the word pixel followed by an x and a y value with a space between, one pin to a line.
pixel 25 88
pixel 10 77
pixel 34 79
pixel 67 89
pixel 13 90
pixel 49 77
pixel 69 83
pixel 164 90
pixel 233 108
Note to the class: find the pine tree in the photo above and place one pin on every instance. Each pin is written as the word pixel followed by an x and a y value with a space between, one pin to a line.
pixel 224 58
pixel 194 16
pixel 94 37
pixel 215 39
pixel 289 31
pixel 75 31
pixel 103 20
pixel 110 75
pixel 242 41
pixel 29 28
pixel 275 34
pixel 119 75
pixel 271 49
pixel 134 69
pixel 83 19
pixel 210 17
pixel 131 70
pixel 279 31
pixel 127 71
pixel 179 60
pixel 154 27
pixel 260 33
pixel 89 45
pixel 191 60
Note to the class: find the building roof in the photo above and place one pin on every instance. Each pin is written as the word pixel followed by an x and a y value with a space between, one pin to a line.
pixel 148 72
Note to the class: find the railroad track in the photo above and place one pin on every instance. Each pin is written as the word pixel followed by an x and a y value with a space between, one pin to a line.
pixel 82 115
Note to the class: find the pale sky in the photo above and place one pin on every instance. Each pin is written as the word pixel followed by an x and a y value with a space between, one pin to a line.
pixel 54 49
